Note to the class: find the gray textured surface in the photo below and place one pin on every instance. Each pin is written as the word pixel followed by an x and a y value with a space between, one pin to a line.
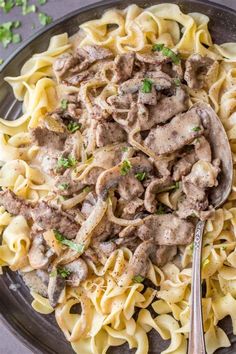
pixel 56 8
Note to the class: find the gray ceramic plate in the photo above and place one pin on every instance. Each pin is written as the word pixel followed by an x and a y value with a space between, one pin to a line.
pixel 40 333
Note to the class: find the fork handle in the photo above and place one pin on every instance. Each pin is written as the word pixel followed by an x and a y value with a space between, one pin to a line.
pixel 196 335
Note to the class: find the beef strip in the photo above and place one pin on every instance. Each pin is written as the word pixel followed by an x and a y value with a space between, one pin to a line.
pixel 131 208
pixel 197 70
pixel 156 186
pixel 44 137
pixel 181 130
pixel 65 185
pixel 123 67
pixel 15 205
pixel 202 176
pixel 130 187
pixel 166 229
pixel 160 255
pixel 92 176
pixel 49 218
pixel 108 133
pixel 167 107
pixel 183 166
pixel 63 64
pixel 44 216
pixel 149 98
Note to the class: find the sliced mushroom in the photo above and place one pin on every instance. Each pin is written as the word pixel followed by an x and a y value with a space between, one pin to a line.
pixel 39 257
pixel 139 264
pixel 78 272
pixel 111 178
pixel 156 186
pixel 197 70
pixel 55 287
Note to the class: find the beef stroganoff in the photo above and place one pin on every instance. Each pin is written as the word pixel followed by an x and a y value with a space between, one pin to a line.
pixel 107 171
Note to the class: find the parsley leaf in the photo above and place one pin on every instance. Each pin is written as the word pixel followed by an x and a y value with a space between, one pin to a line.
pixel 44 19
pixel 177 82
pixel 141 176
pixel 73 126
pixel 19 2
pixel 16 38
pixel 16 24
pixel 125 148
pixel 161 210
pixel 42 2
pixel 173 186
pixel 146 86
pixel 7 5
pixel 138 279
pixel 64 241
pixel 157 47
pixel 1 61
pixel 172 55
pixel 63 272
pixel 125 167
pixel 6 34
pixel 64 103
pixel 196 129
pixel 66 162
pixel 63 186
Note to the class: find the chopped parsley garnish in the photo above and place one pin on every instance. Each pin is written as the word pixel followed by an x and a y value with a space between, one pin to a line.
pixel 26 9
pixel 167 52
pixel 138 279
pixel 63 272
pixel 64 103
pixel 196 129
pixel 172 187
pixel 64 241
pixel 177 82
pixel 7 5
pixel 63 186
pixel 53 273
pixel 141 176
pixel 42 2
pixel 161 210
pixel 125 167
pixel 16 24
pixel 125 148
pixel 224 248
pixel 16 38
pixel 172 55
pixel 73 126
pixel 157 47
pixel 44 19
pixel 66 162
pixel 1 61
pixel 86 189
pixel 146 86
pixel 6 34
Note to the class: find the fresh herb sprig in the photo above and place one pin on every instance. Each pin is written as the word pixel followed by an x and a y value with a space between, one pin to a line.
pixel 125 167
pixel 160 47
pixel 71 244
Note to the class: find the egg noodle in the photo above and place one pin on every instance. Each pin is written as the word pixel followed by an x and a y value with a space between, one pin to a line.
pixel 108 299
